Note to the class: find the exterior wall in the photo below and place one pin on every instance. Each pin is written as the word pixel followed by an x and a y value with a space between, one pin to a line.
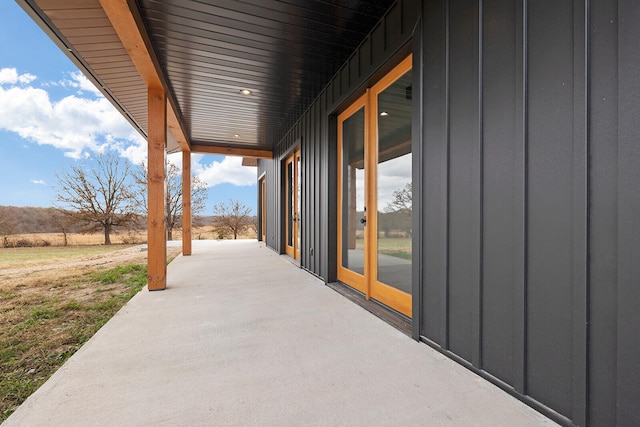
pixel 526 192
pixel 315 134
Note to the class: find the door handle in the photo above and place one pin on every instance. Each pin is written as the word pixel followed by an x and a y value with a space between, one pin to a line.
pixel 363 220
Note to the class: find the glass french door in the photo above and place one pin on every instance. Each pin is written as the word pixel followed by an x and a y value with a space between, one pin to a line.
pixel 293 183
pixel 375 191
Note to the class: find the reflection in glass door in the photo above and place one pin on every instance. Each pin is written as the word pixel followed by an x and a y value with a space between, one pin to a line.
pixel 375 183
pixel 352 134
pixel 263 209
pixel 293 183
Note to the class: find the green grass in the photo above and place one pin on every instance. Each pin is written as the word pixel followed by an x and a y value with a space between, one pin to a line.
pixel 395 247
pixel 42 331
pixel 20 257
pixel 396 243
pixel 7 295
pixel 397 254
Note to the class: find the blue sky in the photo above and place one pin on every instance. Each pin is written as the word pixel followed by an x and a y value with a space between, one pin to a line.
pixel 52 117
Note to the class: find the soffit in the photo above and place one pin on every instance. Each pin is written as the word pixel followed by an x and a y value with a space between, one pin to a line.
pixel 285 52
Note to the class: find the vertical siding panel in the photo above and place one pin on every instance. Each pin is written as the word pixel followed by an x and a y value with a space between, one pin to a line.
pixel 378 46
pixel 354 67
pixel 477 171
pixel 417 242
pixel 344 80
pixel 628 349
pixel 603 153
pixel 323 252
pixel 317 189
pixel 332 179
pixel 435 170
pixel 501 192
pixel 411 9
pixel 309 198
pixel 580 203
pixel 393 24
pixel 551 169
pixel 463 176
pixel 365 60
pixel 305 160
pixel 279 202
pixel 520 201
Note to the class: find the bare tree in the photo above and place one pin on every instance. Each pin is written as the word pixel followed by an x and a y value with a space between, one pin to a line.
pixel 63 221
pixel 97 197
pixel 402 199
pixel 398 211
pixel 233 217
pixel 8 224
pixel 173 195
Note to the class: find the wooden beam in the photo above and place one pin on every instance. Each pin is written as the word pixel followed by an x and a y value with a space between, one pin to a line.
pixel 156 233
pixel 249 161
pixel 186 203
pixel 175 127
pixel 128 25
pixel 232 151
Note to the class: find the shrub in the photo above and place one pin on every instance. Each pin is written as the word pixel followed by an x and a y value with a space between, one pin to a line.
pixel 24 243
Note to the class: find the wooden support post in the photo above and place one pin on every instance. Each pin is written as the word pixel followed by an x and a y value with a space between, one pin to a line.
pixel 186 203
pixel 156 233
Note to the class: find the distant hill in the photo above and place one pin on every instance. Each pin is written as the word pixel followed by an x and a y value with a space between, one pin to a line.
pixel 30 219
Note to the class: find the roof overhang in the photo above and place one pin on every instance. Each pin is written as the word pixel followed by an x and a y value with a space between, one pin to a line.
pixel 204 55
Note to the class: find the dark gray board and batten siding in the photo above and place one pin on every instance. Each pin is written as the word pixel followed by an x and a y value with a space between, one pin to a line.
pixel 528 233
pixel 315 135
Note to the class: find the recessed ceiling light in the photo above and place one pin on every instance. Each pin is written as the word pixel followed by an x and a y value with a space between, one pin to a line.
pixel 245 92
pixel 384 114
pixel 236 136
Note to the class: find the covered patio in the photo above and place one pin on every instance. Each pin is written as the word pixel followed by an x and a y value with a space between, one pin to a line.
pixel 270 346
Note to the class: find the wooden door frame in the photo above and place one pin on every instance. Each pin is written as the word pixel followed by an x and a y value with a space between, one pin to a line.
pixel 368 283
pixel 378 290
pixel 353 279
pixel 291 157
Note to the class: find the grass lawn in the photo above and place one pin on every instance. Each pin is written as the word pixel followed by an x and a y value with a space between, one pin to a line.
pixel 397 247
pixel 21 257
pixel 47 315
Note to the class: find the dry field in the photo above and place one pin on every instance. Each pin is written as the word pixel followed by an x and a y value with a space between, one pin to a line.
pixel 117 238
pixel 52 300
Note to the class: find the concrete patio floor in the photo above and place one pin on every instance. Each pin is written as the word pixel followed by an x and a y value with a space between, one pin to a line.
pixel 243 337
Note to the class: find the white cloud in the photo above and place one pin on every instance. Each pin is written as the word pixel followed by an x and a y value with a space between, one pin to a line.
pixel 83 84
pixel 26 78
pixel 38 181
pixel 227 171
pixel 8 75
pixel 393 175
pixel 176 159
pixel 11 76
pixel 78 126
pixel 137 152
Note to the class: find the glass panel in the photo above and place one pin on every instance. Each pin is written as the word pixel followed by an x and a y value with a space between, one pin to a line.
pixel 395 184
pixel 290 203
pixel 353 192
pixel 298 194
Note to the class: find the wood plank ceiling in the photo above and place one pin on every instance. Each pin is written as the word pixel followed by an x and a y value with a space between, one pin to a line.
pixel 283 52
